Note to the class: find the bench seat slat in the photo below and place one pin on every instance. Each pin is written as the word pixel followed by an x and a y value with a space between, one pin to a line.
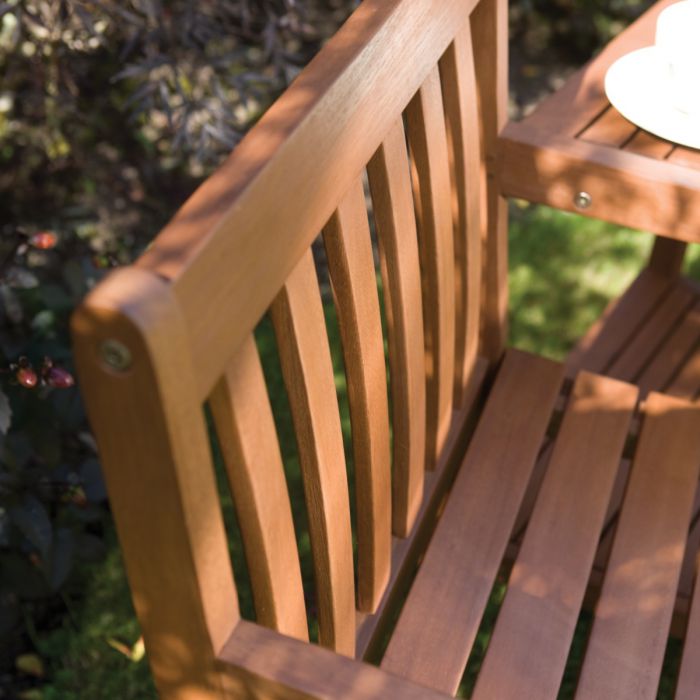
pixel 608 336
pixel 351 265
pixel 305 357
pixel 438 624
pixel 425 118
pixel 529 646
pixel 689 676
pixel 392 198
pixel 245 427
pixel 628 639
pixel 672 355
pixel 660 324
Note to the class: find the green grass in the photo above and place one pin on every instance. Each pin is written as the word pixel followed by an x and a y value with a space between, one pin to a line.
pixel 563 271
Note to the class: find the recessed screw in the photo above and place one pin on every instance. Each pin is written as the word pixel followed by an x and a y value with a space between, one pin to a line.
pixel 115 355
pixel 583 200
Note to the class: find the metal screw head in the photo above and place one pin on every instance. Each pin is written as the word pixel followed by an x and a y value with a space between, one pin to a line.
pixel 582 200
pixel 115 355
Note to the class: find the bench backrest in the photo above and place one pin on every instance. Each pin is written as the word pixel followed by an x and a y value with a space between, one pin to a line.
pixel 396 95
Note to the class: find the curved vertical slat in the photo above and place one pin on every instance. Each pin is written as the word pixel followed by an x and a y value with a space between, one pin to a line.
pixel 461 111
pixel 431 179
pixel 297 315
pixel 488 20
pixel 244 424
pixel 351 265
pixel 392 199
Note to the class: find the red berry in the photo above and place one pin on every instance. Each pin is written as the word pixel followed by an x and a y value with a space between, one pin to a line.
pixel 44 240
pixel 26 376
pixel 59 378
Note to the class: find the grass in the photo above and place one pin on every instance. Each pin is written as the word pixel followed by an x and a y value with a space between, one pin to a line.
pixel 563 271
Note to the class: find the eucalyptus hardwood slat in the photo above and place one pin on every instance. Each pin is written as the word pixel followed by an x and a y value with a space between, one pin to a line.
pixel 460 97
pixel 246 430
pixel 666 195
pixel 533 488
pixel 299 324
pixel 431 642
pixel 546 588
pixel 686 384
pixel 392 199
pixel 406 551
pixel 427 138
pixel 689 568
pixel 647 144
pixel 628 639
pixel 489 19
pixel 610 129
pixel 671 357
pixel 623 317
pixel 667 256
pixel 156 457
pixel 266 203
pixel 351 266
pixel 656 328
pixel 685 156
pixel 689 674
pixel 265 664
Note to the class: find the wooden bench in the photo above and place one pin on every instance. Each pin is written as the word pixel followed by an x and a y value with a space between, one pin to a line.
pixel 465 455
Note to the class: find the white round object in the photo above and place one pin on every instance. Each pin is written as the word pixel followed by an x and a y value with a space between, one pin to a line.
pixel 638 86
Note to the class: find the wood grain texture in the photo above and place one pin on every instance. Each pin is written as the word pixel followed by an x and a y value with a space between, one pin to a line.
pixel 459 93
pixel 156 459
pixel 628 639
pixel 372 630
pixel 615 329
pixel 279 187
pixel 689 675
pixel 610 129
pixel 650 337
pixel 431 642
pixel 300 329
pixel 536 622
pixel 245 428
pixel 264 664
pixel 392 199
pixel 351 266
pixel 667 256
pixel 672 356
pixel 427 139
pixel 490 19
pixel 626 188
pixel 647 144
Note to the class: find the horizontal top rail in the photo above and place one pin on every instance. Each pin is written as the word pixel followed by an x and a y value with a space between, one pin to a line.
pixel 234 242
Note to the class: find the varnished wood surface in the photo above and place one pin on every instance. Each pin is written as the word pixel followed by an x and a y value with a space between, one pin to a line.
pixel 392 197
pixel 626 647
pixel 530 644
pixel 459 90
pixel 300 328
pixel 427 138
pixel 276 191
pixel 246 430
pixel 351 265
pixel 431 642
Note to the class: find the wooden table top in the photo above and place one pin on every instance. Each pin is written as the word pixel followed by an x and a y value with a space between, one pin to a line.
pixel 575 141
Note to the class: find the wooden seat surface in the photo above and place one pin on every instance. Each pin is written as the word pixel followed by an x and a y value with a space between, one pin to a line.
pixel 561 543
